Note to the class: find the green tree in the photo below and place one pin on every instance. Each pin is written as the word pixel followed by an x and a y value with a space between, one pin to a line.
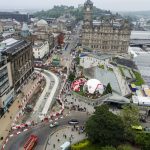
pixel 130 117
pixel 143 140
pixel 71 77
pixel 105 128
pixel 108 89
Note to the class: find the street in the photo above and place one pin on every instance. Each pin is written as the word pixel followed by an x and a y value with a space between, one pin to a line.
pixel 42 131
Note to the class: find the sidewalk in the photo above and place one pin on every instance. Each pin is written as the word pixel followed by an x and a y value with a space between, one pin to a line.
pixel 7 119
pixel 67 133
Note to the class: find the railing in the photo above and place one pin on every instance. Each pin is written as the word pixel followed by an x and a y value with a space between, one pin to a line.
pixel 91 101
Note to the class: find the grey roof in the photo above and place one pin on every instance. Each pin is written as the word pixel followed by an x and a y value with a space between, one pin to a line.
pixel 118 99
pixel 109 23
pixel 15 47
pixel 104 76
pixel 142 35
pixel 140 42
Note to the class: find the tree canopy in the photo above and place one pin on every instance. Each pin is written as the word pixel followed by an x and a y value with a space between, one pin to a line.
pixel 57 11
pixel 104 127
pixel 130 117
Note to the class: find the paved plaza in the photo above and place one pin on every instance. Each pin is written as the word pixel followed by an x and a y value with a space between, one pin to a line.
pixel 64 134
pixel 7 119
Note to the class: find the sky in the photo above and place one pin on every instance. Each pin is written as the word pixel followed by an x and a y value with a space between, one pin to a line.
pixel 113 5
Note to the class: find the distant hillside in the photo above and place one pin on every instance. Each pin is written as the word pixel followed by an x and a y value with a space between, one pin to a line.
pixel 136 13
pixel 57 11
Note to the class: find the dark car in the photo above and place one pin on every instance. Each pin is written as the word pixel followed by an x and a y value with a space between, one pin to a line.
pixel 73 122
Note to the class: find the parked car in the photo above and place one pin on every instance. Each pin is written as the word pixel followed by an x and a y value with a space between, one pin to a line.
pixel 73 122
pixel 54 124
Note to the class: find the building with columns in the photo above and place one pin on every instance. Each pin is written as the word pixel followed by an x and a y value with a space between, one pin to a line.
pixel 105 35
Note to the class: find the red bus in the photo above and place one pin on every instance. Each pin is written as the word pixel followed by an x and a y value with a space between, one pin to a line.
pixel 31 142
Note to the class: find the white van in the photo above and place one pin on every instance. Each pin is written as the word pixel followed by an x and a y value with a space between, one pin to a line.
pixel 65 146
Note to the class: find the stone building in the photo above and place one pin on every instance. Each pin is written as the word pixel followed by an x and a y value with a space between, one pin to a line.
pixel 105 35
pixel 19 54
pixel 40 49
pixel 6 86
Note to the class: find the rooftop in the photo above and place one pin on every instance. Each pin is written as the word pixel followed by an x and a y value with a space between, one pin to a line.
pixel 104 76
pixel 140 35
pixel 12 46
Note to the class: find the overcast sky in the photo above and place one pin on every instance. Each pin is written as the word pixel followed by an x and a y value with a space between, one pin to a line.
pixel 115 5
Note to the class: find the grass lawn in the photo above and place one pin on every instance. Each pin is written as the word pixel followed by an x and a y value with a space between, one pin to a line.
pixel 139 80
pixel 81 91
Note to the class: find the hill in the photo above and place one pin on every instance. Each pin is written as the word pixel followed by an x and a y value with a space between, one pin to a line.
pixel 57 11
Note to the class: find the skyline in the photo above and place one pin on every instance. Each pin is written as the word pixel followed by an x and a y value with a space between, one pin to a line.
pixel 113 5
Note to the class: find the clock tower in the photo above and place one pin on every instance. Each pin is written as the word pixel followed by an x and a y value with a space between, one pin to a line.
pixel 88 11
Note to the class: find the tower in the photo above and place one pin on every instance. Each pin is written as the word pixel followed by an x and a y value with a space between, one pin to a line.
pixel 88 11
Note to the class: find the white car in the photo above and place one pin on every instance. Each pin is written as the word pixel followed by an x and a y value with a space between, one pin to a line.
pixel 54 124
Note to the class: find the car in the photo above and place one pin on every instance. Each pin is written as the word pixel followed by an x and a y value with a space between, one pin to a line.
pixel 73 122
pixel 54 124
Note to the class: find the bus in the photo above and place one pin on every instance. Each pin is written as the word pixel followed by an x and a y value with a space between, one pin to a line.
pixel 31 142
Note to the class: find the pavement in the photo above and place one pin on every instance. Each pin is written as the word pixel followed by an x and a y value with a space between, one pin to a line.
pixel 42 131
pixel 7 119
pixel 71 101
pixel 46 98
pixel 63 134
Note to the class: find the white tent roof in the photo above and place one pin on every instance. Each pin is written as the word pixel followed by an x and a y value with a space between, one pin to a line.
pixel 93 84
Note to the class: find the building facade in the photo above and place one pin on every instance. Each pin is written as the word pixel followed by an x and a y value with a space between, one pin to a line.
pixel 40 49
pixel 19 54
pixel 6 85
pixel 106 35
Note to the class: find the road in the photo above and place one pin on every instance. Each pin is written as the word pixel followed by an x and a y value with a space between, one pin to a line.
pixel 43 131
pixel 66 56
